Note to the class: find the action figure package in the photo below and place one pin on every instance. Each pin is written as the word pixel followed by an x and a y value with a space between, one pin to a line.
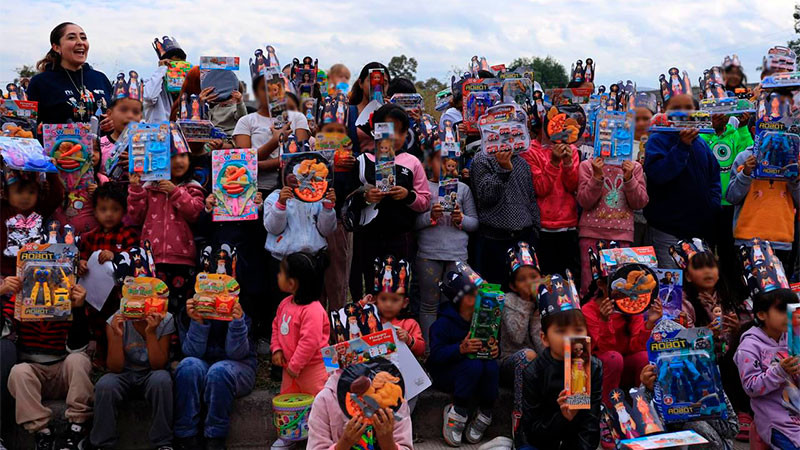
pixel 234 173
pixel 630 420
pixel 176 74
pixel 215 296
pixel 142 296
pixel 149 150
pixel 480 94
pixel 219 72
pixel 568 96
pixel 730 106
pixel 612 258
pixel 776 148
pixel 762 270
pixel 674 121
pixel 578 371
pixel 70 145
pixel 613 136
pixel 111 166
pixel 670 292
pixel 338 143
pixel 409 102
pixel 305 77
pixel 504 128
pixel 486 320
pixel 359 349
pixel 688 384
pixel 136 262
pixel 194 122
pixel 565 124
pixel 384 156
pixel 517 88
pixel 793 335
pixel 448 180
pixel 309 173
pixel 47 272
pixel 377 83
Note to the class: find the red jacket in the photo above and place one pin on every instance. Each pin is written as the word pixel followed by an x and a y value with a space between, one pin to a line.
pixel 623 334
pixel 166 218
pixel 555 187
pixel 411 325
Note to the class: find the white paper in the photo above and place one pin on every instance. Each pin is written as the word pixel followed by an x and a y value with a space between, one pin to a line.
pixel 414 375
pixel 98 281
pixel 371 107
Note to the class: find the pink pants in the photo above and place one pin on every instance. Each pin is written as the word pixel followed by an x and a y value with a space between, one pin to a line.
pixel 310 380
pixel 621 371
pixel 586 272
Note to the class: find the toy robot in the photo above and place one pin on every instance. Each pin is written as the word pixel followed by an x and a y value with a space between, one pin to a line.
pixel 41 276
pixel 683 377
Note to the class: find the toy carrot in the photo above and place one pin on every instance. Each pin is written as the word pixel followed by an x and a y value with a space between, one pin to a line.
pixel 239 172
pixel 75 148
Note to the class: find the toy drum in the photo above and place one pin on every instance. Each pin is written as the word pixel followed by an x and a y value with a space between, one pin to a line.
pixel 290 415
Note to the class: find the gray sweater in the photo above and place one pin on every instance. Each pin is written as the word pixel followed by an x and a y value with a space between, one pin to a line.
pixel 444 241
pixel 520 326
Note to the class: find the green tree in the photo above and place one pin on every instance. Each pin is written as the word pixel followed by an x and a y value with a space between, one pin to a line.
pixel 25 71
pixel 431 84
pixel 547 71
pixel 402 66
pixel 794 44
pixel 428 89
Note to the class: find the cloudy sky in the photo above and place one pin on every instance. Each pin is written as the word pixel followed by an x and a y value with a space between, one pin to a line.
pixel 635 40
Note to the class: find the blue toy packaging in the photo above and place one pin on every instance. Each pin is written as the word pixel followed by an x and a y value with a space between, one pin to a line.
pixel 762 270
pixel 448 175
pixel 674 121
pixel 384 156
pixel 776 148
pixel 613 136
pixel 149 150
pixel 688 385
pixel 670 292
pixel 793 335
pixel 480 94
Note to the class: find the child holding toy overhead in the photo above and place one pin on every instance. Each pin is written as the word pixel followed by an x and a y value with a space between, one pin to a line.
pixel 769 375
pixel 138 353
pixel 392 302
pixel 454 372
pixel 220 365
pixel 547 422
pixel 157 99
pixel 165 208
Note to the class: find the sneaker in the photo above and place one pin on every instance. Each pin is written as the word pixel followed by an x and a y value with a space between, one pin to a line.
pixel 453 427
pixel 44 439
pixel 75 438
pixel 190 443
pixel 745 420
pixel 477 427
pixel 215 444
pixel 282 444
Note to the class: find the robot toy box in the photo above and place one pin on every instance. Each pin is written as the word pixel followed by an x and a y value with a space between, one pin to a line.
pixel 776 145
pixel 486 320
pixel 688 385
pixel 47 272
pixel 577 371
pixel 480 94
pixel 215 295
pixel 142 296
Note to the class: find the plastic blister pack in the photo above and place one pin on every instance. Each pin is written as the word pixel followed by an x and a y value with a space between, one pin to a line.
pixel 486 320
pixel 384 156
pixel 142 296
pixel 504 128
pixel 47 272
pixel 149 150
pixel 215 296
pixel 613 136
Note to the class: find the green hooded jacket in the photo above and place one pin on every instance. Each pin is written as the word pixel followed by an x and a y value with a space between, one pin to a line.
pixel 726 147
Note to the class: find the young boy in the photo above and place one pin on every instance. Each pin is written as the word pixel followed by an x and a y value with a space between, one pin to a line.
pixel 125 107
pixel 157 100
pixel 138 353
pixel 547 422
pixel 453 371
pixel 53 364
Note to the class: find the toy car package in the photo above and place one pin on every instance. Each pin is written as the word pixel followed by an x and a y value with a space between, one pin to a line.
pixel 70 145
pixel 142 296
pixel 358 350
pixel 504 128
pixel 215 295
pixel 567 96
pixel 781 80
pixel 613 136
pixel 479 95
pixel 47 272
pixel 234 174
pixel 219 72
pixel 775 147
pixel 409 102
pixel 486 320
pixel 149 150
pixel 731 106
pixel 578 371
pixel 674 121
pixel 688 384
pixel 384 156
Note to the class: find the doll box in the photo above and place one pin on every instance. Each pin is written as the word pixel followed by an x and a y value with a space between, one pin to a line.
pixel 142 296
pixel 47 272
pixel 793 334
pixel 486 320
pixel 578 371
pixel 215 295
pixel 612 258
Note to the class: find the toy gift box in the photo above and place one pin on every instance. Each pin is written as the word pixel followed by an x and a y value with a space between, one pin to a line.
pixel 776 148
pixel 47 272
pixel 688 385
pixel 234 174
pixel 142 296
pixel 793 333
pixel 215 295
pixel 486 320
pixel 504 128
pixel 149 150
pixel 219 72
pixel 670 292
pixel 409 102
pixel 176 74
pixel 70 145
pixel 578 371
pixel 674 121
pixel 612 258
pixel 479 95
pixel 613 136
pixel 358 350
pixel 384 156
pixel 338 143
pixel 627 420
pixel 17 132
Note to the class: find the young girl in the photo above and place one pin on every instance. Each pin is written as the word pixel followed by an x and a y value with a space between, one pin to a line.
pixel 301 327
pixel 359 99
pixel 77 210
pixel 769 375
pixel 123 110
pixel 644 114
pixel 165 208
pixel 442 241
pixel 392 302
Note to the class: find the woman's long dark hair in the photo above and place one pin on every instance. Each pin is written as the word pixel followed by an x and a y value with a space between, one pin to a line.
pixel 357 94
pixel 52 59
pixel 729 299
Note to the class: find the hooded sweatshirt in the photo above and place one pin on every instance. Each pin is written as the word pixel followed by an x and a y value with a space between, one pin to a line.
pixel 555 186
pixel 297 226
pixel 446 335
pixel 326 421
pixel 683 185
pixel 768 384
pixel 726 148
pixel 157 101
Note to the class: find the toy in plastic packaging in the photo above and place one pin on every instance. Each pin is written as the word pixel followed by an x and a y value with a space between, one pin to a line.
pixel 216 294
pixel 194 122
pixel 670 291
pixel 763 271
pixel 47 271
pixel 674 83
pixel 612 258
pixel 776 147
pixel 730 106
pixel 358 349
pixel 613 137
pixel 149 150
pixel 409 102
pixel 263 61
pixel 781 80
pixel 367 387
pixel 71 146
pixel 308 172
pixel 565 124
pixel 111 166
pixel 176 74
pixel 504 128
pixel 22 230
pixel 219 72
pixel 517 88
pixel 676 120
pixel 25 154
pixel 583 73
pixel 338 143
pixel 578 371
pixel 631 418
pixel 688 384
pixel 633 287
pixel 377 85
pixel 486 320
pixel 234 173
pixel 142 296
pixel 568 96
pixel 384 156
pixel 304 76
pixel 793 334
pixel 712 84
pixel 18 118
pixel 15 91
pixel 448 180
pixel 479 95
pixel 780 58
pixel 276 96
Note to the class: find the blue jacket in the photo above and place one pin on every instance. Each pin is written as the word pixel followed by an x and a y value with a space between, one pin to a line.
pixel 683 185
pixel 57 95
pixel 217 340
pixel 446 335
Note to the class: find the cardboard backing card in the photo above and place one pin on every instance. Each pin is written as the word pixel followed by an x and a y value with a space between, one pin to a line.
pixel 142 296
pixel 47 272
pixel 215 296
pixel 234 174
pixel 149 150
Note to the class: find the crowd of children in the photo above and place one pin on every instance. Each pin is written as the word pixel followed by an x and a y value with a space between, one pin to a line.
pixel 529 221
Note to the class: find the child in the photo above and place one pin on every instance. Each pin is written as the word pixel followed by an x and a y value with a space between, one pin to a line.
pixel 301 327
pixel 453 372
pixel 338 73
pixel 547 422
pixel 608 194
pixel 521 326
pixel 392 302
pixel 226 114
pixel 220 365
pixel 157 100
pixel 645 108
pixel 123 110
pixel 53 365
pixel 769 376
pixel 138 353
pixel 442 241
pixel 76 210
pixel 165 208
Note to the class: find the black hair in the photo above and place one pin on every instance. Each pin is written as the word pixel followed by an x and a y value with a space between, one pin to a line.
pixel 571 317
pixel 401 85
pixel 778 298
pixel 695 102
pixel 392 111
pixel 356 93
pixel 189 175
pixel 111 191
pixel 743 83
pixel 729 299
pixel 309 270
pixel 257 82
pixel 52 59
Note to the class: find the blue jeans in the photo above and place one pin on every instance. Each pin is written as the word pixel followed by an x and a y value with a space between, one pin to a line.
pixel 781 441
pixel 216 385
pixel 469 379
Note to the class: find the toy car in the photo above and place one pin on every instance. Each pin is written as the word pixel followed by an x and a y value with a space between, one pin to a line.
pixel 505 148
pixel 504 131
pixel 491 149
pixel 516 132
pixel 519 145
pixel 492 137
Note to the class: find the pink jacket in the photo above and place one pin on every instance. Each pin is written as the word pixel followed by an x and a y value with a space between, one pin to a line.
pixel 555 187
pixel 165 219
pixel 411 325
pixel 326 422
pixel 608 205
pixel 300 332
